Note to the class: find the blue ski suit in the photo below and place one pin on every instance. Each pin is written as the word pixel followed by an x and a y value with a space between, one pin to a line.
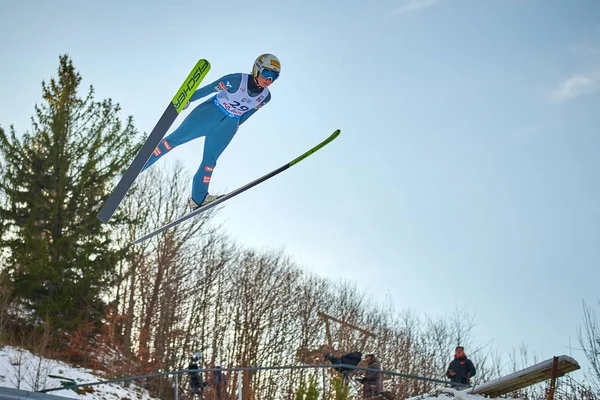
pixel 215 123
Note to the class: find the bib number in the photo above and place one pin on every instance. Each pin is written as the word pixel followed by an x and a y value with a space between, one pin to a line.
pixel 236 105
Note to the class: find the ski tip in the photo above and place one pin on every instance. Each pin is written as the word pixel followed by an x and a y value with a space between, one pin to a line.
pixel 336 133
pixel 203 61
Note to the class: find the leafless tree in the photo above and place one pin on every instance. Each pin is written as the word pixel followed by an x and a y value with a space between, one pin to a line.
pixel 193 289
pixel 589 339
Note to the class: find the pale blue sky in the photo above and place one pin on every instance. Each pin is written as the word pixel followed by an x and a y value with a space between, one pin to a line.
pixel 467 173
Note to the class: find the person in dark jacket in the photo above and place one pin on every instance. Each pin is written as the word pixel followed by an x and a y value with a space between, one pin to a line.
pixel 461 369
pixel 372 385
pixel 219 382
pixel 347 359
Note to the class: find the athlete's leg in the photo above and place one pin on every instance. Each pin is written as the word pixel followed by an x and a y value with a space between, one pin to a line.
pixel 201 121
pixel 214 144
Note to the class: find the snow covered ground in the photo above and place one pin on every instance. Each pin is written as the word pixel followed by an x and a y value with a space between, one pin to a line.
pixel 20 369
pixel 449 394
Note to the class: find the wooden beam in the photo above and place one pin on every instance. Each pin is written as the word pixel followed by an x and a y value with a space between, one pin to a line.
pixel 325 317
pixel 529 376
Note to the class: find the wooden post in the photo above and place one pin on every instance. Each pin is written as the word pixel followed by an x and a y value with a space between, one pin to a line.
pixel 552 388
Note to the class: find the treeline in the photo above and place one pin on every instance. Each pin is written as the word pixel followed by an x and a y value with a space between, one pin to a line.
pixel 77 285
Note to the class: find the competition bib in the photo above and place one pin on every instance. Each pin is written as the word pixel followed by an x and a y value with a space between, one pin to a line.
pixel 234 105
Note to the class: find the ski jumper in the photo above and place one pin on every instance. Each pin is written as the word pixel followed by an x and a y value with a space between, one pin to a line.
pixel 217 119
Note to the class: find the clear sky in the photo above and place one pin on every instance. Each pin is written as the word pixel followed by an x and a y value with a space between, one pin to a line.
pixel 467 173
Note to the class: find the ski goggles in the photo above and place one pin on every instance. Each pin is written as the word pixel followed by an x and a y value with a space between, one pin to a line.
pixel 268 74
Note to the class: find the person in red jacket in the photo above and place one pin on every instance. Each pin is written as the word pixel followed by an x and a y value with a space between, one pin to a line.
pixel 461 369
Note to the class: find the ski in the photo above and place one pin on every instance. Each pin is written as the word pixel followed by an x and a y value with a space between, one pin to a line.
pixel 242 189
pixel 164 123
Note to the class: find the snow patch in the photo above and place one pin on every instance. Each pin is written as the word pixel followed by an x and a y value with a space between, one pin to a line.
pixel 20 369
pixel 449 393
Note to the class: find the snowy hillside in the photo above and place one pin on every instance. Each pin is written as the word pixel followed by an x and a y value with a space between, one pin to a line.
pixel 449 394
pixel 20 369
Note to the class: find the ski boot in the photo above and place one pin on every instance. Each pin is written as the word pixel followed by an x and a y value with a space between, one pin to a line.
pixel 209 198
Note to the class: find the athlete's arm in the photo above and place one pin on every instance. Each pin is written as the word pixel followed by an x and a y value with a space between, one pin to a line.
pixel 230 82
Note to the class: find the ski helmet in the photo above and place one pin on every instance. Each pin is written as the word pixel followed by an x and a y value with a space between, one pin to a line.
pixel 266 65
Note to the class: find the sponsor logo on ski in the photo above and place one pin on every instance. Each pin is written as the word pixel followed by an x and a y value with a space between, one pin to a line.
pixel 189 85
pixel 209 169
pixel 157 152
pixel 167 145
pixel 206 179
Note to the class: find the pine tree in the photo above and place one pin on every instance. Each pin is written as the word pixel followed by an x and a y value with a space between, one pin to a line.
pixel 52 183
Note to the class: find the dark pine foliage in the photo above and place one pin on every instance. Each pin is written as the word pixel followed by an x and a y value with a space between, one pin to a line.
pixel 57 255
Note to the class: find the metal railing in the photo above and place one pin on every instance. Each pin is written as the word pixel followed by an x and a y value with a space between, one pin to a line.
pixel 241 370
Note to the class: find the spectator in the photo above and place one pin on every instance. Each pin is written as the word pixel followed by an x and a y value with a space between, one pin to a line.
pixel 372 381
pixel 461 369
pixel 219 382
pixel 347 359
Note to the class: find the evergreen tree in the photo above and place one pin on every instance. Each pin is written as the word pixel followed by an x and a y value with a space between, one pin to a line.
pixel 59 256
